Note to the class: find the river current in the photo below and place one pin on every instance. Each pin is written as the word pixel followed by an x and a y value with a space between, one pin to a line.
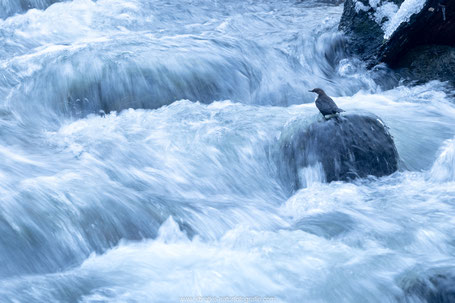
pixel 139 143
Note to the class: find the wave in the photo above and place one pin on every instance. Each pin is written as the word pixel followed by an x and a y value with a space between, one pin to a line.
pixel 443 169
pixel 12 7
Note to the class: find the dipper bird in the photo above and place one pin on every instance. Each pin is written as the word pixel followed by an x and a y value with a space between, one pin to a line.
pixel 325 104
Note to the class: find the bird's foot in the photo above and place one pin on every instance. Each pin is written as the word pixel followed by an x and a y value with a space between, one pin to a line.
pixel 328 117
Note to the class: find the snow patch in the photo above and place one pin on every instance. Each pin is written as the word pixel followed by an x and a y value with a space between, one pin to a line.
pixel 385 12
pixel 388 15
pixel 359 6
pixel 374 3
pixel 407 9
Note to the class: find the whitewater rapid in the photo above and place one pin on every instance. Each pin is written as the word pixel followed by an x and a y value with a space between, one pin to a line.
pixel 140 158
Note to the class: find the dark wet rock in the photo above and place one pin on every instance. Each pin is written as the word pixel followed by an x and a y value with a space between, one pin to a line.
pixel 433 288
pixel 429 62
pixel 348 147
pixel 364 35
pixel 430 26
pixel 424 28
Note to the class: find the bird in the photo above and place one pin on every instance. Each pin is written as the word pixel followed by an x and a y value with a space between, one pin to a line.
pixel 325 104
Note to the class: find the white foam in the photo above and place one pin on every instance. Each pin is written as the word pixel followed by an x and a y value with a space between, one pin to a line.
pixel 170 232
pixel 444 166
pixel 311 175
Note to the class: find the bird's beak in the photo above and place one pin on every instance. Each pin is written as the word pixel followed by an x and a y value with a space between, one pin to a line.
pixel 310 91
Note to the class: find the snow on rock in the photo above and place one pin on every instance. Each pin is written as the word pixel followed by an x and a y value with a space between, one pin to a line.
pixel 374 3
pixel 359 6
pixel 385 12
pixel 388 15
pixel 404 13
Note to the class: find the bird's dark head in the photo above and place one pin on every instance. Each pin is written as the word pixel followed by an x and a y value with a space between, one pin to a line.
pixel 317 91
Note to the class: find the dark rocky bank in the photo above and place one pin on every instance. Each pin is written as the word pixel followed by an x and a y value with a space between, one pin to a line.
pixel 422 49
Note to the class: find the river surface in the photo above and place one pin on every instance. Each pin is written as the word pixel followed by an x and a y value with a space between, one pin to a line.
pixel 139 147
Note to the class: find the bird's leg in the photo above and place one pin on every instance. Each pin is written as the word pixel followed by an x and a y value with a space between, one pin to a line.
pixel 330 116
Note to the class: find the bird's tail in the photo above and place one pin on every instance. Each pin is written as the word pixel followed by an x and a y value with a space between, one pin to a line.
pixel 340 110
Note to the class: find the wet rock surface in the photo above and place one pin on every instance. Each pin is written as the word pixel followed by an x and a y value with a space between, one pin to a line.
pixel 433 25
pixel 364 34
pixel 436 288
pixel 348 147
pixel 429 62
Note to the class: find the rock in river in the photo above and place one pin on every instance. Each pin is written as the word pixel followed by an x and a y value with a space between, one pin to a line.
pixel 348 147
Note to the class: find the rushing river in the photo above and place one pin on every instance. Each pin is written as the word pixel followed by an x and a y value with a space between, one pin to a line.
pixel 139 147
